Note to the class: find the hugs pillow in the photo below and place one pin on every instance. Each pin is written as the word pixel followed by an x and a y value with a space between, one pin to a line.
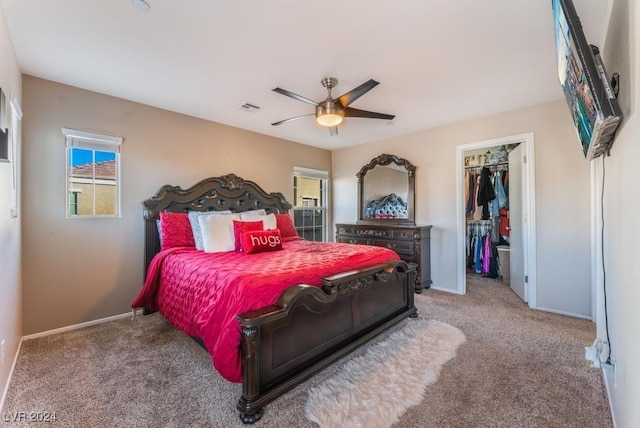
pixel 259 241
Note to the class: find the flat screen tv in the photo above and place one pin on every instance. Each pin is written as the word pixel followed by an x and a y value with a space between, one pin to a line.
pixel 586 85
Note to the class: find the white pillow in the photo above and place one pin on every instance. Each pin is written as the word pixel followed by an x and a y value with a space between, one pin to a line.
pixel 195 226
pixel 261 211
pixel 269 221
pixel 217 232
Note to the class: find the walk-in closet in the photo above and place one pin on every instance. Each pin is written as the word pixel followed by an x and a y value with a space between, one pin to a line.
pixel 487 214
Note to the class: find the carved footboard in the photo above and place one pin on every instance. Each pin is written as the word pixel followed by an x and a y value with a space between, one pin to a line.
pixel 309 328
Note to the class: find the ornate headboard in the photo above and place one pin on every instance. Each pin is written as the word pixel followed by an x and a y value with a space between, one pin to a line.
pixel 228 192
pixel 391 206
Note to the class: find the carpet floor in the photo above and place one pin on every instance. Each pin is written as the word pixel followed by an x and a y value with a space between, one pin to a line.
pixel 518 368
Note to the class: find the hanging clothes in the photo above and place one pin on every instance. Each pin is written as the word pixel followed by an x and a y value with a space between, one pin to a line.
pixel 479 246
pixel 486 254
pixel 485 192
pixel 505 185
pixel 478 209
pixel 501 195
pixel 470 191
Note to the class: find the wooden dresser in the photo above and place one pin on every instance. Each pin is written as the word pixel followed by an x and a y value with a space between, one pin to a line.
pixel 411 242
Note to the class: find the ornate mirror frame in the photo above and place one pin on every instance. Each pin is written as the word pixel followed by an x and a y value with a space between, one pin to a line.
pixel 384 160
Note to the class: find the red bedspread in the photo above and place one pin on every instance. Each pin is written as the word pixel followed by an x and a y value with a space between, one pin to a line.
pixel 201 293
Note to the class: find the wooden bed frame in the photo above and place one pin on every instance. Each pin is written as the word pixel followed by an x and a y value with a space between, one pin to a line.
pixel 308 328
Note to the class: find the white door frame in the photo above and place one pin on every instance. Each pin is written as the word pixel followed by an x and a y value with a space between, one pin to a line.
pixel 528 210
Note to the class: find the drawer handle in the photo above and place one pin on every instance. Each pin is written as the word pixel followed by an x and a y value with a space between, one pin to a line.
pixel 353 241
pixel 392 246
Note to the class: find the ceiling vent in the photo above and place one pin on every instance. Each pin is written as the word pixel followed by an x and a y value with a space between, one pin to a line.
pixel 249 107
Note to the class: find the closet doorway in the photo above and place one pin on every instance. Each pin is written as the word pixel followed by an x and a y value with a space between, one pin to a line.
pixel 519 165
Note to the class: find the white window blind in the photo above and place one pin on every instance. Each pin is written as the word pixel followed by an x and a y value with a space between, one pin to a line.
pixel 92 141
pixel 299 171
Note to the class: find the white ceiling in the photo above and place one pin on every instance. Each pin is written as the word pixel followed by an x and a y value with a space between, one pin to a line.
pixel 437 61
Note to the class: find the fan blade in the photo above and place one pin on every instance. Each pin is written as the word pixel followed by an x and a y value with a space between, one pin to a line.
pixel 333 131
pixel 354 112
pixel 294 96
pixel 291 118
pixel 356 93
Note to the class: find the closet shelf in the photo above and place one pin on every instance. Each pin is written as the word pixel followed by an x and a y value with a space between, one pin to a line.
pixel 488 165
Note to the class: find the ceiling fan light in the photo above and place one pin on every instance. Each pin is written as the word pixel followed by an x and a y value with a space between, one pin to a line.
pixel 329 116
pixel 329 120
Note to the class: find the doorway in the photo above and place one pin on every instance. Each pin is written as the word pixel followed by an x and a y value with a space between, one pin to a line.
pixel 524 260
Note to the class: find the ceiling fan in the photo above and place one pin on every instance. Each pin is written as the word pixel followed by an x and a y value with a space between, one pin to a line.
pixel 332 111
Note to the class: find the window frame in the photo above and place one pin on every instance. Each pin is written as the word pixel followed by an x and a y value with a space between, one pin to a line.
pixel 16 117
pixel 322 201
pixel 77 139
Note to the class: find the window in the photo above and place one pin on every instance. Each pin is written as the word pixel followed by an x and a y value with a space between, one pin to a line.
pixel 93 174
pixel 73 202
pixel 16 117
pixel 310 203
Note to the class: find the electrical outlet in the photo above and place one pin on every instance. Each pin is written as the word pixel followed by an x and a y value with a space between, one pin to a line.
pixel 2 353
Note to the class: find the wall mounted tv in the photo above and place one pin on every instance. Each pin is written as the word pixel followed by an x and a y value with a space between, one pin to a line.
pixel 586 85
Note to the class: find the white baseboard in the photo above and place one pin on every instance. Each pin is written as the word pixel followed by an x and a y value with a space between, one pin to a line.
pixel 607 387
pixel 81 325
pixel 569 314
pixel 54 331
pixel 446 290
pixel 6 388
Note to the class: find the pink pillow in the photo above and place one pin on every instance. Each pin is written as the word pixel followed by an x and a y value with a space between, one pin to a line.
pixel 175 230
pixel 240 227
pixel 258 241
pixel 285 224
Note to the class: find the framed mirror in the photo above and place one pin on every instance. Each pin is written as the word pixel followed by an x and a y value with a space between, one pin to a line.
pixel 386 191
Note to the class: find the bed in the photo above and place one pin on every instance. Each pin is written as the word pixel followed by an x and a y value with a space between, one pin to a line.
pixel 282 322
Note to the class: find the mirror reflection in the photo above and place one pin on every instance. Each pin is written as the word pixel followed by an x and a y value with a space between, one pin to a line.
pixel 386 190
pixel 385 193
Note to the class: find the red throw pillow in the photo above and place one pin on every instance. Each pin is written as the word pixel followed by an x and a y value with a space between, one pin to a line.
pixel 259 241
pixel 175 230
pixel 285 224
pixel 240 227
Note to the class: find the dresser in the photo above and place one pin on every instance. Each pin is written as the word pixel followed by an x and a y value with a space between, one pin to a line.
pixel 411 242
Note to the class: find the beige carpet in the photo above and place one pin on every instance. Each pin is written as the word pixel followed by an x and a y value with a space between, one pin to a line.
pixel 518 368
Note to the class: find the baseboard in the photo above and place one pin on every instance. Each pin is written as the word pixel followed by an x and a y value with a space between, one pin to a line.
pixel 81 325
pixel 569 314
pixel 607 387
pixel 54 331
pixel 6 387
pixel 446 290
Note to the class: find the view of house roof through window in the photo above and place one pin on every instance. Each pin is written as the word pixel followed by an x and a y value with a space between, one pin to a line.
pixel 93 184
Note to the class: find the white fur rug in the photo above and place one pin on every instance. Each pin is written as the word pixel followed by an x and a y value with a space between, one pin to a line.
pixel 375 388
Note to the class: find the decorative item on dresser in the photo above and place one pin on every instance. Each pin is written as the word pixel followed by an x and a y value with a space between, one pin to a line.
pixel 386 215
pixel 411 242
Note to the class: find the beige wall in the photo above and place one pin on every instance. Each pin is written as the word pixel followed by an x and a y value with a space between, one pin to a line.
pixel 562 196
pixel 82 269
pixel 10 240
pixel 621 209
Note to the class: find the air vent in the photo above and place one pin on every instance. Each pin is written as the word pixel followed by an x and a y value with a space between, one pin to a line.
pixel 249 107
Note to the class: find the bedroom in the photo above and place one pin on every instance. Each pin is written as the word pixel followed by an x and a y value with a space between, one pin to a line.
pixel 41 296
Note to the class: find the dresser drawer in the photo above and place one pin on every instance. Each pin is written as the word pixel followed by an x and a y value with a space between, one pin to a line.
pixel 402 233
pixel 375 233
pixel 352 240
pixel 397 246
pixel 346 230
